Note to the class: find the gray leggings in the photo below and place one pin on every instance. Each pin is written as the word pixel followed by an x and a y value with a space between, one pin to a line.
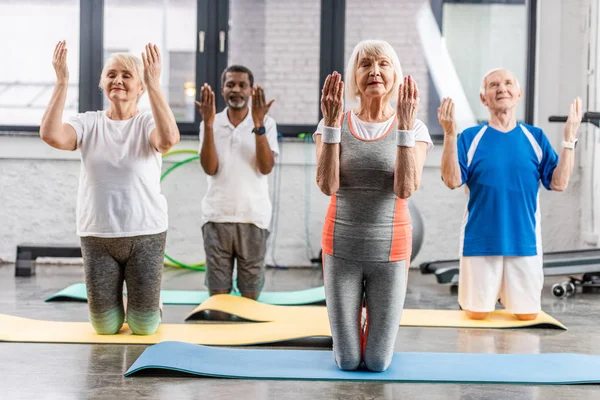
pixel 382 286
pixel 136 260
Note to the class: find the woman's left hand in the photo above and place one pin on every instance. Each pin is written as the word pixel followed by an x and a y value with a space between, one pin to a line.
pixel 408 104
pixel 152 66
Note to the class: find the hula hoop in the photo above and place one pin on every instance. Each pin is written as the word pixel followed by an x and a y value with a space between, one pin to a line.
pixel 171 261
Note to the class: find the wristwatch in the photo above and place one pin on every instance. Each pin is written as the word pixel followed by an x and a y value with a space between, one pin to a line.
pixel 570 145
pixel 259 131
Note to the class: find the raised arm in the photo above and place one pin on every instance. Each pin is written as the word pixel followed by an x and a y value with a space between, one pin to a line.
pixel 166 133
pixel 207 109
pixel 265 159
pixel 563 171
pixel 410 156
pixel 450 166
pixel 52 130
pixel 328 141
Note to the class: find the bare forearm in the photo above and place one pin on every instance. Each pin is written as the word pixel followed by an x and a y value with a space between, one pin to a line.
pixel 328 168
pixel 563 171
pixel 405 174
pixel 265 159
pixel 450 167
pixel 208 153
pixel 166 125
pixel 51 127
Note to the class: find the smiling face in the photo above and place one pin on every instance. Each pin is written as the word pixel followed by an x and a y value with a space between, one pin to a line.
pixel 121 83
pixel 374 76
pixel 500 91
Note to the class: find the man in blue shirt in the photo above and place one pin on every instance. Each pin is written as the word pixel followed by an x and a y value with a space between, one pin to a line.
pixel 502 163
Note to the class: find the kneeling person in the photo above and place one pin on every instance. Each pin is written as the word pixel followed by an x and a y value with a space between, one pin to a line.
pixel 238 147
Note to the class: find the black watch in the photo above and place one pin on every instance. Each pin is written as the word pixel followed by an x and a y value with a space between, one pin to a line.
pixel 259 131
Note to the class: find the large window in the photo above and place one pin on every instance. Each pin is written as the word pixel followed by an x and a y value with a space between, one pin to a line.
pixel 290 45
pixel 481 37
pixel 30 29
pixel 448 46
pixel 279 41
pixel 171 25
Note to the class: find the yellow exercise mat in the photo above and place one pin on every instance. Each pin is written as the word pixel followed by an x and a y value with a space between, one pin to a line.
pixel 303 315
pixel 17 329
pixel 255 311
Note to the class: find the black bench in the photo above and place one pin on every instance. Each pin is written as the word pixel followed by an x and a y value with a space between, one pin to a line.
pixel 28 253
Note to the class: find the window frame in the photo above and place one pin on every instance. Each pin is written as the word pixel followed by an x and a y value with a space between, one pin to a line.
pixel 212 18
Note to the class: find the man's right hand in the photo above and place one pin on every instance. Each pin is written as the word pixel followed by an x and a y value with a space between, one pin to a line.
pixel 206 105
pixel 446 117
pixel 59 62
pixel 332 100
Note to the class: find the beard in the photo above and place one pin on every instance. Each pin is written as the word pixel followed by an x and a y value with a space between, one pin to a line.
pixel 237 104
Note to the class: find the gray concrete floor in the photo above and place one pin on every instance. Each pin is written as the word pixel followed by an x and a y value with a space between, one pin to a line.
pixel 69 371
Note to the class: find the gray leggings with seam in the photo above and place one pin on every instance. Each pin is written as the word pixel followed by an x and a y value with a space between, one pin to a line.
pixel 382 286
pixel 137 261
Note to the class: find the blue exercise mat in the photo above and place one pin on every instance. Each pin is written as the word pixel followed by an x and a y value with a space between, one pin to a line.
pixel 557 368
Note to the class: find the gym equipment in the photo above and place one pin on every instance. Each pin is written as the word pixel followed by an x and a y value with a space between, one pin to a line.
pixel 251 310
pixel 28 253
pixel 589 283
pixel 554 368
pixel 418 228
pixel 571 262
pixel 77 292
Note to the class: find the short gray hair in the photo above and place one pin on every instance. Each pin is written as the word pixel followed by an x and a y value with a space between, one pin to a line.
pixel 483 81
pixel 129 61
pixel 372 48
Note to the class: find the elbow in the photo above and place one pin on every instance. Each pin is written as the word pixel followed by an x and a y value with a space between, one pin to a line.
pixel 167 143
pixel 265 169
pixel 559 187
pixel 452 183
pixel 46 134
pixel 210 170
pixel 328 189
pixel 404 193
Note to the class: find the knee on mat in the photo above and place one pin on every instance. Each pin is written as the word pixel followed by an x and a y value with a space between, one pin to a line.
pixel 143 325
pixel 347 363
pixel 377 364
pixel 107 327
pixel 526 317
pixel 476 315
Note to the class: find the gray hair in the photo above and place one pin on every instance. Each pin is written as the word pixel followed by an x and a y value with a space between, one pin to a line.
pixel 372 48
pixel 483 81
pixel 130 62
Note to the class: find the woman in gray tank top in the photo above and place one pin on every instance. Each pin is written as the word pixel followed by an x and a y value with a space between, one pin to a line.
pixel 369 161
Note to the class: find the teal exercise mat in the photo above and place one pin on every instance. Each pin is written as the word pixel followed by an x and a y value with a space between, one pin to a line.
pixel 549 369
pixel 77 292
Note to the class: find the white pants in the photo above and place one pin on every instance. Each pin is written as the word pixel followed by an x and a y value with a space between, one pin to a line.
pixel 516 281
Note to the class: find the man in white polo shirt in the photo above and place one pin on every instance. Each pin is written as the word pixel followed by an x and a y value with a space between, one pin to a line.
pixel 237 151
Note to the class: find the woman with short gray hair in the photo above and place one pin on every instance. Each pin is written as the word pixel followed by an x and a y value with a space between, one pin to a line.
pixel 369 161
pixel 121 213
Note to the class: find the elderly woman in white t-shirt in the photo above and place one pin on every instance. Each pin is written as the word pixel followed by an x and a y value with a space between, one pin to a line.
pixel 369 160
pixel 121 213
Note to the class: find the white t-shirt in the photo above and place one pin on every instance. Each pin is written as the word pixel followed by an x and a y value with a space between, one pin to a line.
pixel 375 130
pixel 238 192
pixel 119 186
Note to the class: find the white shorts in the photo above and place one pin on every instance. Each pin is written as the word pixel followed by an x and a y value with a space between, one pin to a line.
pixel 516 281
